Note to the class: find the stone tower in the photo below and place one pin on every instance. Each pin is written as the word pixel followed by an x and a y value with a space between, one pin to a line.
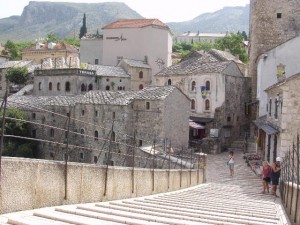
pixel 272 22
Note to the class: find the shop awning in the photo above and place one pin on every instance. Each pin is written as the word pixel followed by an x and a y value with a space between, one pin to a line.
pixel 196 125
pixel 268 129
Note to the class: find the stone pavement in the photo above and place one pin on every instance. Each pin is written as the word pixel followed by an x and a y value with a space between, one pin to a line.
pixel 222 200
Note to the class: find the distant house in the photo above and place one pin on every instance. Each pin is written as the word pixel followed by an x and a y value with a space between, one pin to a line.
pixel 147 40
pixel 191 37
pixel 38 52
pixel 218 91
pixel 91 49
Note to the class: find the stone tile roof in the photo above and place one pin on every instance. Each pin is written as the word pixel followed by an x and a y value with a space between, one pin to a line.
pixel 135 23
pixel 212 61
pixel 136 63
pixel 109 71
pixel 92 97
pixel 58 46
pixel 10 64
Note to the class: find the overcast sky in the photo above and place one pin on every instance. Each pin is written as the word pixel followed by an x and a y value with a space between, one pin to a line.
pixel 165 10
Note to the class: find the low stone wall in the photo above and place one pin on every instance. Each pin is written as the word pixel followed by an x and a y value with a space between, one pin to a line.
pixel 291 201
pixel 30 183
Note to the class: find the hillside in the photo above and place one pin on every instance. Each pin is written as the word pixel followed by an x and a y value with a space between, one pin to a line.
pixel 228 19
pixel 63 19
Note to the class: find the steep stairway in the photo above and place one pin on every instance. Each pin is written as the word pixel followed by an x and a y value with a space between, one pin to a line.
pixel 222 200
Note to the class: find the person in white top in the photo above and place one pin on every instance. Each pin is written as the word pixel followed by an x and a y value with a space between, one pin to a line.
pixel 231 163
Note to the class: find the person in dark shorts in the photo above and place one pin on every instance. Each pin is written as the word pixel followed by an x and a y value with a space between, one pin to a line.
pixel 275 175
pixel 266 176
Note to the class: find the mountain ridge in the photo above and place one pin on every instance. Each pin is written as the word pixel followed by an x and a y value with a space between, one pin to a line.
pixel 65 19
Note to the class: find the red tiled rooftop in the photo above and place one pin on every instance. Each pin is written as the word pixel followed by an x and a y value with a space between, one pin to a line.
pixel 58 46
pixel 135 23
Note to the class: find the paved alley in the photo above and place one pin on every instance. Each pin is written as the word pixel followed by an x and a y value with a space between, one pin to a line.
pixel 222 200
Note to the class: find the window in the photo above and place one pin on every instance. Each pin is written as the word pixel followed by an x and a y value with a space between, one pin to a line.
pixel 34 133
pixel 270 107
pixel 193 86
pixel 279 15
pixel 96 135
pixel 107 79
pixel 96 61
pixel 40 86
pixel 147 105
pixel 107 88
pixel 52 155
pixel 113 136
pixel 228 118
pixel 193 104
pixel 82 112
pixel 141 74
pixel 114 115
pixel 90 87
pixel 207 105
pixel 50 86
pixel 120 80
pixel 82 132
pixel 276 108
pixel 81 155
pixel 58 86
pixel 140 143
pixel 67 86
pixel 83 87
pixel 207 85
pixel 52 133
pixel 141 87
pixel 95 159
pixel 96 113
pixel 33 116
pixel 169 82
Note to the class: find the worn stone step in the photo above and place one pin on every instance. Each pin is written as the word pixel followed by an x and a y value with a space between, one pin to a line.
pixel 33 220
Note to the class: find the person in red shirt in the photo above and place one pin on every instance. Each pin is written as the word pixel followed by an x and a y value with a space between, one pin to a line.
pixel 266 176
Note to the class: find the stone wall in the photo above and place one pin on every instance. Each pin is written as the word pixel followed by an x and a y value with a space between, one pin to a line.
pixel 29 184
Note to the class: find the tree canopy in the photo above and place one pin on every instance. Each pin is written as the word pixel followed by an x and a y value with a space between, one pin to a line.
pixel 17 75
pixel 17 147
pixel 13 49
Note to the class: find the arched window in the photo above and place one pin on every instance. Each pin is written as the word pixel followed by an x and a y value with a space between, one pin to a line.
pixel 40 86
pixel 193 88
pixel 58 86
pixel 96 135
pixel 193 104
pixel 169 82
pixel 107 88
pixel 141 87
pixel 83 87
pixel 141 74
pixel 90 87
pixel 52 132
pixel 207 85
pixel 68 86
pixel 207 104
pixel 82 132
pixel 50 86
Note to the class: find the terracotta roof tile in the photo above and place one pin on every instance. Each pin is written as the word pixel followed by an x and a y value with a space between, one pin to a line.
pixel 135 23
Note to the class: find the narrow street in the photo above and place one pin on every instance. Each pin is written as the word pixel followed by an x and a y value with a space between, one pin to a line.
pixel 222 200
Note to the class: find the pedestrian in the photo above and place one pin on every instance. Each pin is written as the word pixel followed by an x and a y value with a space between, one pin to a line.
pixel 266 176
pixel 275 175
pixel 231 163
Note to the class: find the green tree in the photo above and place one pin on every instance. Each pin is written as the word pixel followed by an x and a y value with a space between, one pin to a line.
pixel 83 29
pixel 17 75
pixel 244 34
pixel 51 37
pixel 233 43
pixel 13 146
pixel 72 41
pixel 13 49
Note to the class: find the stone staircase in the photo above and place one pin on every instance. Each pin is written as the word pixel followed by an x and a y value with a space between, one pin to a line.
pixel 222 200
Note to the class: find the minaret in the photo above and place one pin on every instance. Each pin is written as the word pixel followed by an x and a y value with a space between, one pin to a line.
pixel 272 22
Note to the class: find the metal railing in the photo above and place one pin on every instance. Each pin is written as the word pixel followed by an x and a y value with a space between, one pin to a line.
pixel 290 182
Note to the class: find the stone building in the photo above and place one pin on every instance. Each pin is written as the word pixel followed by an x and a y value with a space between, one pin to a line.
pixel 271 24
pixel 191 37
pixel 218 91
pixel 154 114
pixel 91 49
pixel 138 39
pixel 40 51
pixel 283 120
